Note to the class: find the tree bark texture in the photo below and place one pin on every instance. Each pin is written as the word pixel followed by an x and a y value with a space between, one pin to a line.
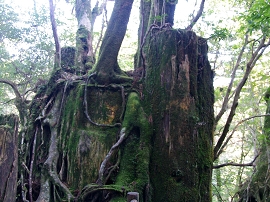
pixel 178 96
pixel 8 157
pixel 153 13
pixel 107 66
pixel 84 37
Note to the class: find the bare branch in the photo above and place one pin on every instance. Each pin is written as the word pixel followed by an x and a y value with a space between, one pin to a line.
pixel 236 164
pixel 197 17
pixel 226 98
pixel 234 129
pixel 97 10
pixel 104 19
pixel 249 66
pixel 13 86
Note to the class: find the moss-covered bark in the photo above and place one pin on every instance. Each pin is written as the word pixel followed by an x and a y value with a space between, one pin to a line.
pixel 152 13
pixel 84 38
pixel 178 96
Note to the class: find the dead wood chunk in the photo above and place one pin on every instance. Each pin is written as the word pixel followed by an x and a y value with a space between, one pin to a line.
pixel 132 197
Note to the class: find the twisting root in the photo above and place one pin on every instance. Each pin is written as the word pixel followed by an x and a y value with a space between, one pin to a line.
pixel 100 180
pixel 86 108
pixel 112 168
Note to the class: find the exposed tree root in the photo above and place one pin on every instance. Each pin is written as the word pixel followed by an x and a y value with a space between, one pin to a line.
pixel 112 168
pixel 50 166
pixel 86 108
pixel 51 162
pixel 62 101
pixel 122 137
pixel 31 166
pixel 43 112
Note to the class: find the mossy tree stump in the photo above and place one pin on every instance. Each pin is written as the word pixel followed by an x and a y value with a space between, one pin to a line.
pixel 178 96
pixel 98 142
pixel 97 136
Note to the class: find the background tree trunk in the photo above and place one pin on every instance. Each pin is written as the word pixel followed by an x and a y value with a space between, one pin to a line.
pixel 257 187
pixel 8 157
pixel 84 37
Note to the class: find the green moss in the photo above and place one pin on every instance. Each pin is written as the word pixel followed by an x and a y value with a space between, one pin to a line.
pixel 182 120
pixel 80 139
pixel 134 165
pixel 68 58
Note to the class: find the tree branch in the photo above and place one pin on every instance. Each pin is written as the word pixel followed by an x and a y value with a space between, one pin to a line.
pixel 55 35
pixel 13 86
pixel 197 17
pixel 226 98
pixel 97 10
pixel 234 129
pixel 104 19
pixel 236 164
pixel 249 66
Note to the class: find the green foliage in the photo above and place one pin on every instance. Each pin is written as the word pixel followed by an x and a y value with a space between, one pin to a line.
pixel 27 47
pixel 220 34
pixel 257 18
pixel 8 19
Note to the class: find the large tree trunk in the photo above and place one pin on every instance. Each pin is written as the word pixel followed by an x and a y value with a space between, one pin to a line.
pixel 8 157
pixel 178 96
